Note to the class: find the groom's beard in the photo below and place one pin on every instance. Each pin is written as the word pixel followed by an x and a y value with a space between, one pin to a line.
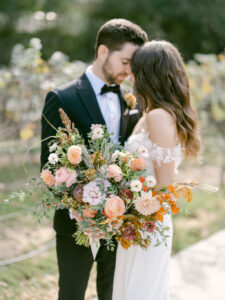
pixel 111 77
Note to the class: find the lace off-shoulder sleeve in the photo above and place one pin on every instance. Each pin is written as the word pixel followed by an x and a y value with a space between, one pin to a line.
pixel 163 155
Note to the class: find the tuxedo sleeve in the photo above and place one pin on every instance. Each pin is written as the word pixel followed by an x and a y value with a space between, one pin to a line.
pixel 51 113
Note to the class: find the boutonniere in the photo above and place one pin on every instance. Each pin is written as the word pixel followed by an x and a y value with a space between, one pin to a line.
pixel 130 100
pixel 128 96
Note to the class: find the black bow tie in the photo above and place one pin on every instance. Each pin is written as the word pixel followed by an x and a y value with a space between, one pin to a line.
pixel 109 88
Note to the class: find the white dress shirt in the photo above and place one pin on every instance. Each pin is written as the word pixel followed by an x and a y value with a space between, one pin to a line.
pixel 109 104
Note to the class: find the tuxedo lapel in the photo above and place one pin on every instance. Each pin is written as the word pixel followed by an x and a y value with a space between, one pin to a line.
pixel 88 98
pixel 124 118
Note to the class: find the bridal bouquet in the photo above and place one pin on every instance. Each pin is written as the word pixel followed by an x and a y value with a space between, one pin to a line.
pixel 106 189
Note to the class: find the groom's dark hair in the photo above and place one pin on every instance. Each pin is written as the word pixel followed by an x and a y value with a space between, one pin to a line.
pixel 116 32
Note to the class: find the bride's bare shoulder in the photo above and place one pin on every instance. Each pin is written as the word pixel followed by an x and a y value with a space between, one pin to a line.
pixel 161 126
pixel 159 114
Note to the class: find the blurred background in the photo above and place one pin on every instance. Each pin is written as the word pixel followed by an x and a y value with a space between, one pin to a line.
pixel 47 43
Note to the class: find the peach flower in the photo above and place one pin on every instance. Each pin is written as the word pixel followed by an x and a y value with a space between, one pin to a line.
pixel 74 154
pixel 138 164
pixel 62 175
pixel 114 172
pixel 114 206
pixel 47 177
pixel 89 213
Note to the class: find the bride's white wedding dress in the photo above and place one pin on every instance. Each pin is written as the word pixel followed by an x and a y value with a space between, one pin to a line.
pixel 143 274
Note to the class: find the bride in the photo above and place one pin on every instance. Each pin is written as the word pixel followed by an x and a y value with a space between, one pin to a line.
pixel 168 129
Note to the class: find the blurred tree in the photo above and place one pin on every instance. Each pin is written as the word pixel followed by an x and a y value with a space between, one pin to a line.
pixel 71 26
pixel 53 21
pixel 194 26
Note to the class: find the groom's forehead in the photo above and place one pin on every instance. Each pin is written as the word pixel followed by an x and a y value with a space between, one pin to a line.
pixel 126 51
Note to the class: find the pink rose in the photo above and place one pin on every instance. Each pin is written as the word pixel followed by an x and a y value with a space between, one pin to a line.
pixel 62 175
pixel 138 164
pixel 74 155
pixel 114 172
pixel 114 206
pixel 72 178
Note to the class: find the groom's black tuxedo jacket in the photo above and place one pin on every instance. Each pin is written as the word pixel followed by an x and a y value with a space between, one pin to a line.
pixel 79 102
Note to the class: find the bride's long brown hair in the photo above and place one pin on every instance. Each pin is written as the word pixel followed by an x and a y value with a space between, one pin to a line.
pixel 162 82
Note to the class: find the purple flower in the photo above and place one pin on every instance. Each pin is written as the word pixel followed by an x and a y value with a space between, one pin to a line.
pixel 149 226
pixel 129 233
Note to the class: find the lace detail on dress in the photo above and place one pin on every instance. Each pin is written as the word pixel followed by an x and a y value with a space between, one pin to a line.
pixel 165 155
pixel 156 153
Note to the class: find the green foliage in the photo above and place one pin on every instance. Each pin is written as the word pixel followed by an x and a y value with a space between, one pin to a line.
pixel 192 26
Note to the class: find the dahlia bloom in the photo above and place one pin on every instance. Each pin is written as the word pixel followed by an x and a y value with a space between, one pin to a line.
pixel 146 204
pixel 47 177
pixel 74 155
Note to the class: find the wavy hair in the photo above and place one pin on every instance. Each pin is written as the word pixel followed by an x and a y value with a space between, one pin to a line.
pixel 162 82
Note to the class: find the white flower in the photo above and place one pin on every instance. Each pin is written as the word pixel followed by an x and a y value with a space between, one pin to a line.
pixel 135 185
pixel 115 155
pixel 92 193
pixel 146 204
pixel 97 133
pixel 96 126
pixel 53 158
pixel 53 147
pixel 150 181
pixel 143 151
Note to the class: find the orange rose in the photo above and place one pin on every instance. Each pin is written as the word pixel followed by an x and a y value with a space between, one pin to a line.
pixel 74 155
pixel 138 164
pixel 114 206
pixel 89 213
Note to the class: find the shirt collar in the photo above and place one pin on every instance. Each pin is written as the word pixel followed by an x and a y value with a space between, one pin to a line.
pixel 96 82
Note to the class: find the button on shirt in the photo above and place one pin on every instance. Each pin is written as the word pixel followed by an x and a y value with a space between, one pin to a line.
pixel 109 104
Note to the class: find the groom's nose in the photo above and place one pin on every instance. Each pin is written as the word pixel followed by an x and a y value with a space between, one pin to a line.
pixel 127 70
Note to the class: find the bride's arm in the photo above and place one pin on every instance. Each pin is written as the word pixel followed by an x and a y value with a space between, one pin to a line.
pixel 162 132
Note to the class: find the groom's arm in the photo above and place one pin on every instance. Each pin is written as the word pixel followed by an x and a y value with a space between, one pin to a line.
pixel 51 113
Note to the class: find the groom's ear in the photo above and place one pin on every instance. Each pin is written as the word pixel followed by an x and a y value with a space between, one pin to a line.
pixel 103 52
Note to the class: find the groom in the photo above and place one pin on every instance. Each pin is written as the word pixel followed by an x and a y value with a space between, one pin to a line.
pixel 95 98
